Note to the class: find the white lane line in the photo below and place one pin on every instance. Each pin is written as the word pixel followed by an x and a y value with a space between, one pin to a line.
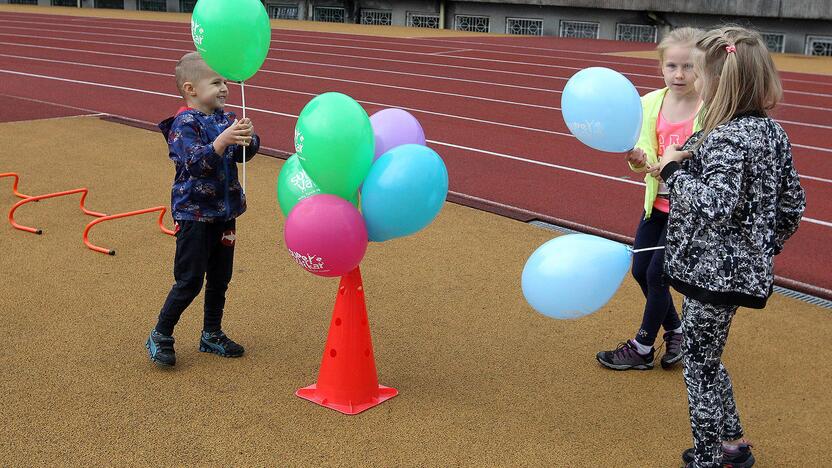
pixel 181 30
pixel 412 109
pixel 814 148
pixel 373 103
pixel 317 64
pixel 817 221
pixel 365 83
pixel 450 145
pixel 428 112
pixel 650 76
pixel 445 52
pixel 645 88
pixel 537 163
pixel 356 68
pixel 817 179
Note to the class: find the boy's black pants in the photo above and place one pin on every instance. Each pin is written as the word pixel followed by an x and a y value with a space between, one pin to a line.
pixel 204 253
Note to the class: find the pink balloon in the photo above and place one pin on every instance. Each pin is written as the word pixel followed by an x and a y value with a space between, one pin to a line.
pixel 395 127
pixel 326 235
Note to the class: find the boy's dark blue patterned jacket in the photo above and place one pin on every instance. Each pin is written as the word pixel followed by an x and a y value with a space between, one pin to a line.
pixel 206 187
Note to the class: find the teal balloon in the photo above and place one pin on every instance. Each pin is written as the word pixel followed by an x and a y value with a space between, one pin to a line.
pixel 602 109
pixel 335 143
pixel 232 36
pixel 404 192
pixel 574 275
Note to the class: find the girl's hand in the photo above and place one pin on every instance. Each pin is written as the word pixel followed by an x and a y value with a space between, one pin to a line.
pixel 673 154
pixel 637 158
pixel 655 170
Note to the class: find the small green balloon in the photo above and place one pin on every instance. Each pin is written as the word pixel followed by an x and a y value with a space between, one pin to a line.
pixel 293 185
pixel 232 36
pixel 335 143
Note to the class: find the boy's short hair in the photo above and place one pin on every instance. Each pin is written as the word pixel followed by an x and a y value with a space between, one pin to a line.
pixel 191 67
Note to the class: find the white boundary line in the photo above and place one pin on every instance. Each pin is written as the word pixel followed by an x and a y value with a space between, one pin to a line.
pixel 440 143
pixel 365 83
pixel 360 38
pixel 412 109
pixel 348 56
pixel 313 44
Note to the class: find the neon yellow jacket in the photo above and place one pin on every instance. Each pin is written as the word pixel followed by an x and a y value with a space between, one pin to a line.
pixel 651 105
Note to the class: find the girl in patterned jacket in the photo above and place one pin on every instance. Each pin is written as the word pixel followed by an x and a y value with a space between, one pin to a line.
pixel 669 118
pixel 735 200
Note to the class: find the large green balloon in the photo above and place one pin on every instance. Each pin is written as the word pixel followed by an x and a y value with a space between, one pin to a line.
pixel 233 36
pixel 293 185
pixel 335 144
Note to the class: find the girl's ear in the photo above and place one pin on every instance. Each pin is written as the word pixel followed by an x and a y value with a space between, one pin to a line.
pixel 189 89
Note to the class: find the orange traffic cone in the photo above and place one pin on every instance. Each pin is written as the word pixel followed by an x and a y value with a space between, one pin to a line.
pixel 347 381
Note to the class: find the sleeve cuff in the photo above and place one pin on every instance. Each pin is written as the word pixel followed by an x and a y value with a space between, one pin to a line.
pixel 670 169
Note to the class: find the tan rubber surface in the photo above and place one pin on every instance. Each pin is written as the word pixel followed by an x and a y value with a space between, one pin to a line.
pixel 483 379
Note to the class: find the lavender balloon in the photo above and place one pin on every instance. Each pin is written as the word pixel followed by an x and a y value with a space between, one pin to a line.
pixel 395 127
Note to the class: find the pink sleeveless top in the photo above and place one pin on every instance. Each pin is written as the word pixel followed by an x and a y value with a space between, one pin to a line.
pixel 670 133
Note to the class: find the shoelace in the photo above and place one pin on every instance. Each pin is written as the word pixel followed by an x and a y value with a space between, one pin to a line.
pixel 623 348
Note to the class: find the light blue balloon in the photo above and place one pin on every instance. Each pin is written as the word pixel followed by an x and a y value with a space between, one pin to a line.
pixel 602 109
pixel 403 192
pixel 574 275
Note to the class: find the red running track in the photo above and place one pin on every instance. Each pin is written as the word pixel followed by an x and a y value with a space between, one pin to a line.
pixel 489 105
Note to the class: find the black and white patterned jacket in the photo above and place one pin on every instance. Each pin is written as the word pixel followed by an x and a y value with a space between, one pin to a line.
pixel 734 204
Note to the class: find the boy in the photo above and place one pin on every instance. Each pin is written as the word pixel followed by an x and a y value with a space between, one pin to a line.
pixel 205 143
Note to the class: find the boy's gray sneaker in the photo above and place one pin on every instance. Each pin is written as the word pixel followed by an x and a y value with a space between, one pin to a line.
pixel 672 349
pixel 626 357
pixel 217 343
pixel 160 349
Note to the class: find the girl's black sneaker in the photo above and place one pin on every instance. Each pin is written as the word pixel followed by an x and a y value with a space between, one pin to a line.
pixel 741 457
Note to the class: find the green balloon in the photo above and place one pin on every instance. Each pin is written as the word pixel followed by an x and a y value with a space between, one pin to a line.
pixel 232 36
pixel 335 144
pixel 293 185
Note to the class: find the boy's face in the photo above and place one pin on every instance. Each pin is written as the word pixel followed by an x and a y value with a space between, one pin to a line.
pixel 677 69
pixel 209 91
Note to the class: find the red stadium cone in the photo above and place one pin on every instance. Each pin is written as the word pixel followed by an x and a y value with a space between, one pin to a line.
pixel 347 381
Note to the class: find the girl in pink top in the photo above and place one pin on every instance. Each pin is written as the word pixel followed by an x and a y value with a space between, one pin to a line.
pixel 670 133
pixel 669 119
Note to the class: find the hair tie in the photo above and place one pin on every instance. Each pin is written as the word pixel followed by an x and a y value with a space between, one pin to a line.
pixel 731 49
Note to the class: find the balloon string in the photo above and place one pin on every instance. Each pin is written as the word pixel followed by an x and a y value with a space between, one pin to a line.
pixel 243 92
pixel 661 247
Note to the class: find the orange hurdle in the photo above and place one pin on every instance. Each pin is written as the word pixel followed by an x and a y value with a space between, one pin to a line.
pixel 161 209
pixel 16 181
pixel 17 205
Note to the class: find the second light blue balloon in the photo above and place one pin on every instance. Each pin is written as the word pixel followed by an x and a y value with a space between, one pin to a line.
pixel 404 191
pixel 574 275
